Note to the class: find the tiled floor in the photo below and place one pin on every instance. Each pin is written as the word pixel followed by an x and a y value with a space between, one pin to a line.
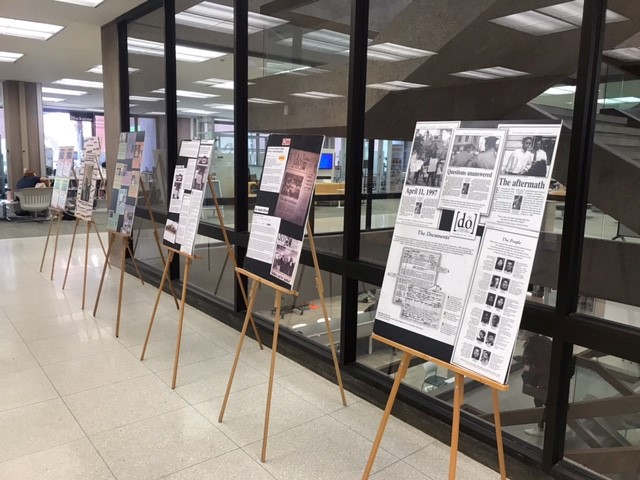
pixel 76 402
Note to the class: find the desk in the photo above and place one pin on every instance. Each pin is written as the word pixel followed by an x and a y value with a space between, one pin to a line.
pixel 559 194
pixel 5 204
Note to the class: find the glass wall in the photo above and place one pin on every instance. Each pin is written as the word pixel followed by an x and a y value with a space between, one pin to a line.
pixel 525 68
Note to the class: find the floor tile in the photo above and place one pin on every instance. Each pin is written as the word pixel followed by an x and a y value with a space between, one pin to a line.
pixel 24 388
pixel 320 449
pixel 31 329
pixel 161 445
pixel 235 465
pixel 244 415
pixel 433 461
pixel 37 427
pixel 119 404
pixel 74 461
pixel 69 347
pixel 35 309
pixel 399 438
pixel 15 357
pixel 399 470
pixel 94 371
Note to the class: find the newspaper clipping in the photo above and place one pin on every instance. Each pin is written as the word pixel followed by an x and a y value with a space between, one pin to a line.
pixel 285 263
pixel 297 186
pixel 431 143
pixel 264 230
pixel 491 320
pixel 275 161
pixel 525 174
pixel 472 170
pixel 426 281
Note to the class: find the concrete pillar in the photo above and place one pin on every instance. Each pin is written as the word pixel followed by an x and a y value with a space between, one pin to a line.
pixel 24 128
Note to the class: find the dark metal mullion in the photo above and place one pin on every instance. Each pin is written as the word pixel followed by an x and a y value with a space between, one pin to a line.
pixel 353 175
pixel 123 76
pixel 241 121
pixel 580 153
pixel 170 98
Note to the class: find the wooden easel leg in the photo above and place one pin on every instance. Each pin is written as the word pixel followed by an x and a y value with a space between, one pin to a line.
pixel 44 254
pixel 246 304
pixel 183 300
pixel 155 307
pixel 274 348
pixel 500 445
pixel 99 239
pixel 402 371
pixel 135 265
pixel 123 251
pixel 55 247
pixel 86 261
pixel 458 396
pixel 320 288
pixel 252 298
pixel 104 270
pixel 73 240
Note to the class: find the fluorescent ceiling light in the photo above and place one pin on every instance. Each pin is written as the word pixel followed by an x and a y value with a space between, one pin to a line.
pixel 196 111
pixel 153 113
pixel 263 101
pixel 316 95
pixel 572 12
pixel 10 57
pixel 617 100
pixel 26 29
pixel 396 85
pixel 98 69
pixel 394 52
pixel 560 90
pixel 533 23
pixel 219 18
pixel 84 3
pixel 490 73
pixel 629 54
pixel 52 99
pixel 188 94
pixel 220 106
pixel 219 83
pixel 183 54
pixel 63 91
pixel 74 82
pixel 138 98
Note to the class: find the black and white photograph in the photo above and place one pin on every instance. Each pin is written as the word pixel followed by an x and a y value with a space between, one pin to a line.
pixel 475 151
pixel 491 298
pixel 481 336
pixel 286 255
pixel 500 303
pixel 177 186
pixel 517 202
pixel 495 281
pixel 495 320
pixel 491 338
pixel 87 180
pixel 499 264
pixel 170 231
pixel 508 267
pixel 465 189
pixel 417 208
pixel 475 354
pixel 429 152
pixel 485 357
pixel 528 155
pixel 486 315
pixel 504 284
pixel 291 185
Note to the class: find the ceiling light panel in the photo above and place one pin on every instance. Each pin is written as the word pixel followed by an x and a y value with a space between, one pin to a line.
pixel 263 101
pixel 560 90
pixel 63 91
pixel 98 69
pixel 26 29
pixel 220 106
pixel 84 3
pixel 490 73
pixel 219 18
pixel 533 23
pixel 317 95
pixel 52 99
pixel 396 85
pixel 572 12
pixel 184 54
pixel 396 50
pixel 74 82
pixel 139 98
pixel 188 94
pixel 10 57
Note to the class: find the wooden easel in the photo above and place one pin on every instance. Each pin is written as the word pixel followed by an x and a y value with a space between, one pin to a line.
pixel 86 254
pixel 125 248
pixel 232 256
pixel 183 299
pixel 279 291
pixel 460 374
pixel 56 215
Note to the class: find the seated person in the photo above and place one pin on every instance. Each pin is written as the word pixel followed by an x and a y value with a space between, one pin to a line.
pixel 30 180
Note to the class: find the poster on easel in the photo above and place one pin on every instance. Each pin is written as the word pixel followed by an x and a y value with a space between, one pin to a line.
pixel 187 195
pixel 447 291
pixel 282 207
pixel 64 173
pixel 126 183
pixel 88 176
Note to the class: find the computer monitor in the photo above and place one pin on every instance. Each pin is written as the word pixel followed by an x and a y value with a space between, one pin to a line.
pixel 326 161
